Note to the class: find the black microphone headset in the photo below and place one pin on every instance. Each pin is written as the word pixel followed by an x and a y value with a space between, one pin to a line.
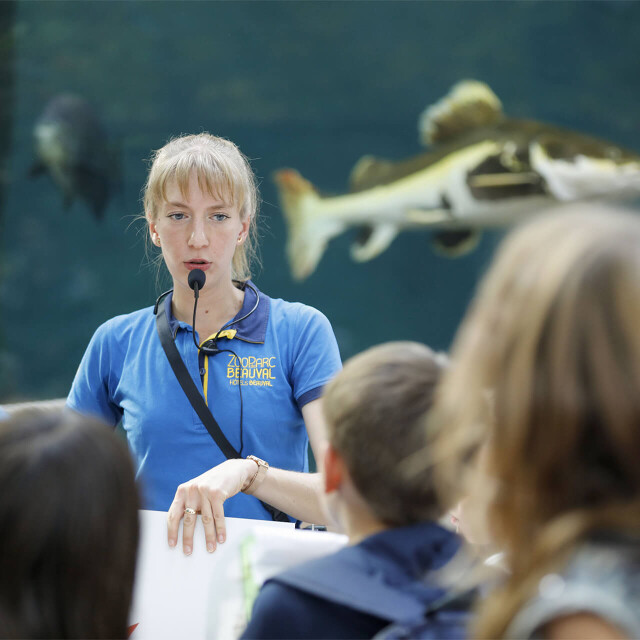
pixel 196 280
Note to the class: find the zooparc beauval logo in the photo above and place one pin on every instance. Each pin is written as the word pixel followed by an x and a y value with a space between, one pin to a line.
pixel 251 371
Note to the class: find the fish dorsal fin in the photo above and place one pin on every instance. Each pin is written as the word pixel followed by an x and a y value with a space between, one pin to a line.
pixel 469 104
pixel 368 171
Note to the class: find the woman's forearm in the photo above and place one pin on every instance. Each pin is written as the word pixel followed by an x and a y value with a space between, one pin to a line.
pixel 297 494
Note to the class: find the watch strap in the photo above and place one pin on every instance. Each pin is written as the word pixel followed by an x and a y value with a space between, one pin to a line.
pixel 258 476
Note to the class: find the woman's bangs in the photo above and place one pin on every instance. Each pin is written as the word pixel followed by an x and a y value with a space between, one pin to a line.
pixel 213 179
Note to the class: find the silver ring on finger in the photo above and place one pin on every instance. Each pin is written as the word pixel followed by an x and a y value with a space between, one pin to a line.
pixel 189 511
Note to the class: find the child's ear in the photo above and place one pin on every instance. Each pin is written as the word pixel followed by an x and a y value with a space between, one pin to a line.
pixel 333 470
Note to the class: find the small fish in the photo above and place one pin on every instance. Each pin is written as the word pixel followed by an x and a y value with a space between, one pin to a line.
pixel 484 170
pixel 72 147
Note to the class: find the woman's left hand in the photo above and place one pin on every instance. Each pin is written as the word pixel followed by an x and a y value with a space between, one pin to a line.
pixel 206 495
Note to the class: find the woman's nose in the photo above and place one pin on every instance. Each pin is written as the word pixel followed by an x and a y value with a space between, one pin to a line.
pixel 198 236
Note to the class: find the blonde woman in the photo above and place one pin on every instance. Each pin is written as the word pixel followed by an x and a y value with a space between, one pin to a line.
pixel 551 346
pixel 259 363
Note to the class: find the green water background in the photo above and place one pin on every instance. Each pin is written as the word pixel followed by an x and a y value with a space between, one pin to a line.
pixel 309 85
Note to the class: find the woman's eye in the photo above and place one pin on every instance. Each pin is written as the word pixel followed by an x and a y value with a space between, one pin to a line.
pixel 220 217
pixel 177 216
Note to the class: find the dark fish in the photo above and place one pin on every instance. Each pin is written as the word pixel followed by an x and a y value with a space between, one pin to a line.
pixel 71 145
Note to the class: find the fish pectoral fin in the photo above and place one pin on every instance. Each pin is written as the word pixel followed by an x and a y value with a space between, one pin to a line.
pixel 469 105
pixel 427 217
pixel 377 241
pixel 455 242
pixel 367 172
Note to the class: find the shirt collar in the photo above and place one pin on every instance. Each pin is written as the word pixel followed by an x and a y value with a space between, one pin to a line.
pixel 253 328
pixel 422 544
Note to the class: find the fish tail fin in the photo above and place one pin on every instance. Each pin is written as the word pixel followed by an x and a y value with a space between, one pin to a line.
pixel 307 232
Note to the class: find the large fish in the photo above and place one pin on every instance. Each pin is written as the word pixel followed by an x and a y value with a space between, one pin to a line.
pixel 484 170
pixel 72 146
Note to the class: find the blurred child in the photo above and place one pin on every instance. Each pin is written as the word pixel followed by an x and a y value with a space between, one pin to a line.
pixel 68 528
pixel 554 336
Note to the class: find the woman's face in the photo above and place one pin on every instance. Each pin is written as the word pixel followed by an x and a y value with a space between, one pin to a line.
pixel 197 231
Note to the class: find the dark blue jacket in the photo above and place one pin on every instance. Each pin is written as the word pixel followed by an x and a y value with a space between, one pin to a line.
pixel 361 590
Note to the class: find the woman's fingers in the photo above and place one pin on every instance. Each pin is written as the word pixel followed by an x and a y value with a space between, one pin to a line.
pixel 209 525
pixel 185 505
pixel 206 494
pixel 212 506
pixel 218 518
pixel 192 506
pixel 176 511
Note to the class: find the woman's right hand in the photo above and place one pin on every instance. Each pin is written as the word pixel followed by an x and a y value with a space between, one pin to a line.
pixel 206 495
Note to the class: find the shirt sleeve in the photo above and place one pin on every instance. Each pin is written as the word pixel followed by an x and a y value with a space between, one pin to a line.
pixel 91 389
pixel 316 355
pixel 571 599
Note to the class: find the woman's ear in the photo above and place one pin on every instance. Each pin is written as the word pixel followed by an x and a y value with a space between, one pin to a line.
pixel 153 233
pixel 246 224
pixel 334 470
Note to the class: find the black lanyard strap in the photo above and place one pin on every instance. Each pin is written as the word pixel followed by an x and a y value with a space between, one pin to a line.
pixel 196 399
pixel 189 386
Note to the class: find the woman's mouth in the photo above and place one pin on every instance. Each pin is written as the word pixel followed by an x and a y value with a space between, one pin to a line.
pixel 197 264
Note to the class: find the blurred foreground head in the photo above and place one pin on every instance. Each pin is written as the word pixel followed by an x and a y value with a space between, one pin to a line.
pixel 375 408
pixel 545 382
pixel 552 338
pixel 68 528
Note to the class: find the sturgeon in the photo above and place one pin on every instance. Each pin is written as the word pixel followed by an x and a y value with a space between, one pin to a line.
pixel 482 170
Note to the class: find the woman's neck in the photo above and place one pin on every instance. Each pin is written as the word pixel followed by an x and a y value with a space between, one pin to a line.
pixel 216 306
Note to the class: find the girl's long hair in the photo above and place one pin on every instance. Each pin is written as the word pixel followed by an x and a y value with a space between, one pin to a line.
pixel 546 383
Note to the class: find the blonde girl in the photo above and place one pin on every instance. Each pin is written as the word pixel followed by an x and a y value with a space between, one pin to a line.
pixel 551 349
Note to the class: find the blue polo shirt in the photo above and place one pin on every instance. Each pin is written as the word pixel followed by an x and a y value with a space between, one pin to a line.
pixel 284 354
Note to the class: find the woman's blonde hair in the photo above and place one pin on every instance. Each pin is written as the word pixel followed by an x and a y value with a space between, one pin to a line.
pixel 553 342
pixel 222 171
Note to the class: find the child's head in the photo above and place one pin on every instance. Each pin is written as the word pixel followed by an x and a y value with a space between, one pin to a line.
pixel 374 409
pixel 554 336
pixel 222 171
pixel 68 527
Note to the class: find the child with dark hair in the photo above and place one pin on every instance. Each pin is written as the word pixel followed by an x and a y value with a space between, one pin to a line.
pixel 68 528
